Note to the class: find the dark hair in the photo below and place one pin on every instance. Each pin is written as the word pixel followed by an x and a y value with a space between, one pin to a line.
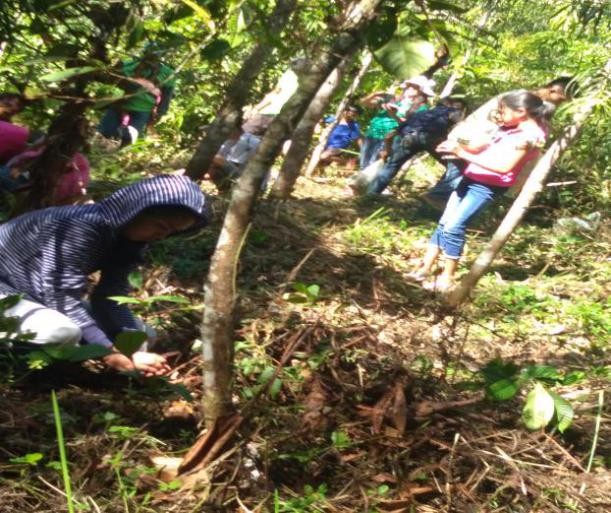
pixel 567 83
pixel 459 106
pixel 354 108
pixel 534 106
pixel 12 96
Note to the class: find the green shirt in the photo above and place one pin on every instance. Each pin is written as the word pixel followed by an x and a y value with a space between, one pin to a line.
pixel 383 123
pixel 143 101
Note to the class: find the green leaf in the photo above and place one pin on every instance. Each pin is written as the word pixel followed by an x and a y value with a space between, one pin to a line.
pixel 503 389
pixel 543 372
pixel 313 291
pixel 128 342
pixel 135 279
pixel 169 299
pixel 58 76
pixel 29 459
pixel 381 30
pixel 83 353
pixel 202 14
pixel 122 300
pixel 274 390
pixel 215 50
pixel 564 412
pixel 136 35
pixel 405 57
pixel 538 409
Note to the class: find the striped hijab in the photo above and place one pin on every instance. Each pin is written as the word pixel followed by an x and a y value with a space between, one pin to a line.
pixel 47 255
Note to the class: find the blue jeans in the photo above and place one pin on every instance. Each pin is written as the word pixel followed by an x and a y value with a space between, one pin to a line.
pixel 403 149
pixel 111 125
pixel 448 182
pixel 369 151
pixel 469 199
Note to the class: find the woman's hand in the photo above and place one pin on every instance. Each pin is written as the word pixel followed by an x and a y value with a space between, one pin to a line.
pixel 150 364
pixel 448 146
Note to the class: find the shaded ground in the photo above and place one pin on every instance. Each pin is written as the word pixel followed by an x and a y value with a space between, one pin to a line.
pixel 360 394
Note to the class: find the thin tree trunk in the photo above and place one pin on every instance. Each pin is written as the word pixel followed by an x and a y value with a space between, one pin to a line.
pixel 229 116
pixel 302 136
pixel 317 152
pixel 532 186
pixel 220 290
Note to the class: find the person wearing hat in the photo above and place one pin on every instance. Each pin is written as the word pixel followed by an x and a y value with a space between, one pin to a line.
pixel 149 86
pixel 342 136
pixel 392 111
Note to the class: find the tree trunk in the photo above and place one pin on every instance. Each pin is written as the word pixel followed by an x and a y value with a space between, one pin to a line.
pixel 316 153
pixel 220 291
pixel 302 136
pixel 532 187
pixel 229 117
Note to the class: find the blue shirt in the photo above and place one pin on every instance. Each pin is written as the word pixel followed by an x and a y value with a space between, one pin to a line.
pixel 343 134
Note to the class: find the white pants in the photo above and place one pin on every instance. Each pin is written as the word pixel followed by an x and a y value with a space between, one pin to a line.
pixel 49 326
pixel 53 327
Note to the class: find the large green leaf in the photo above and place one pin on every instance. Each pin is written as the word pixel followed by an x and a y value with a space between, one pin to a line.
pixel 539 408
pixel 405 57
pixel 58 76
pixel 564 412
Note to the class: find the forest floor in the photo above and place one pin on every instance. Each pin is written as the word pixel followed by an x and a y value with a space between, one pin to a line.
pixel 358 390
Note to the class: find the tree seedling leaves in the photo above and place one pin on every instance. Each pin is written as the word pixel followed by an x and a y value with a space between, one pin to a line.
pixel 215 50
pixel 59 76
pixel 538 409
pixel 83 353
pixel 542 372
pixel 502 390
pixel 9 301
pixel 135 279
pixel 564 412
pixel 128 342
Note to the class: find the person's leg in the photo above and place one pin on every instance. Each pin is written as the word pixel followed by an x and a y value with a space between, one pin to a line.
pixel 399 155
pixel 369 151
pixel 110 123
pixel 136 127
pixel 48 326
pixel 438 195
pixel 472 199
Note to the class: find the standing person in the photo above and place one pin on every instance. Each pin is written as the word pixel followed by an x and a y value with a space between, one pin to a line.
pixel 478 127
pixel 421 132
pixel 48 255
pixel 10 105
pixel 392 111
pixel 490 171
pixel 13 138
pixel 346 132
pixel 149 85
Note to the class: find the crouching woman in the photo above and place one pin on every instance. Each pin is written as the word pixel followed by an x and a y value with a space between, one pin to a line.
pixel 48 255
pixel 490 170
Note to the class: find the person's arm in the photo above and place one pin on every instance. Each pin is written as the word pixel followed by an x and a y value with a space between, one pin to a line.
pixel 501 161
pixel 373 100
pixel 164 104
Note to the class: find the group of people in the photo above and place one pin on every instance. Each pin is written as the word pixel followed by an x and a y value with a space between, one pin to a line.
pixel 485 156
pixel 47 256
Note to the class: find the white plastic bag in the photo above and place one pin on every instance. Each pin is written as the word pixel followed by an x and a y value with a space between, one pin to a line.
pixel 359 182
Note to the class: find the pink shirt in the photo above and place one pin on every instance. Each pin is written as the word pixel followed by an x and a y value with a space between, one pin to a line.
pixel 508 140
pixel 13 140
pixel 73 182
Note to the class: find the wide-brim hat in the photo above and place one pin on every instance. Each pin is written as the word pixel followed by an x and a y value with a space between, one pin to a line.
pixel 425 85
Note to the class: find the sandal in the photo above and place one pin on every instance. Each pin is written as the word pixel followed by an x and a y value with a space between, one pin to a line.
pixel 439 285
pixel 418 276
